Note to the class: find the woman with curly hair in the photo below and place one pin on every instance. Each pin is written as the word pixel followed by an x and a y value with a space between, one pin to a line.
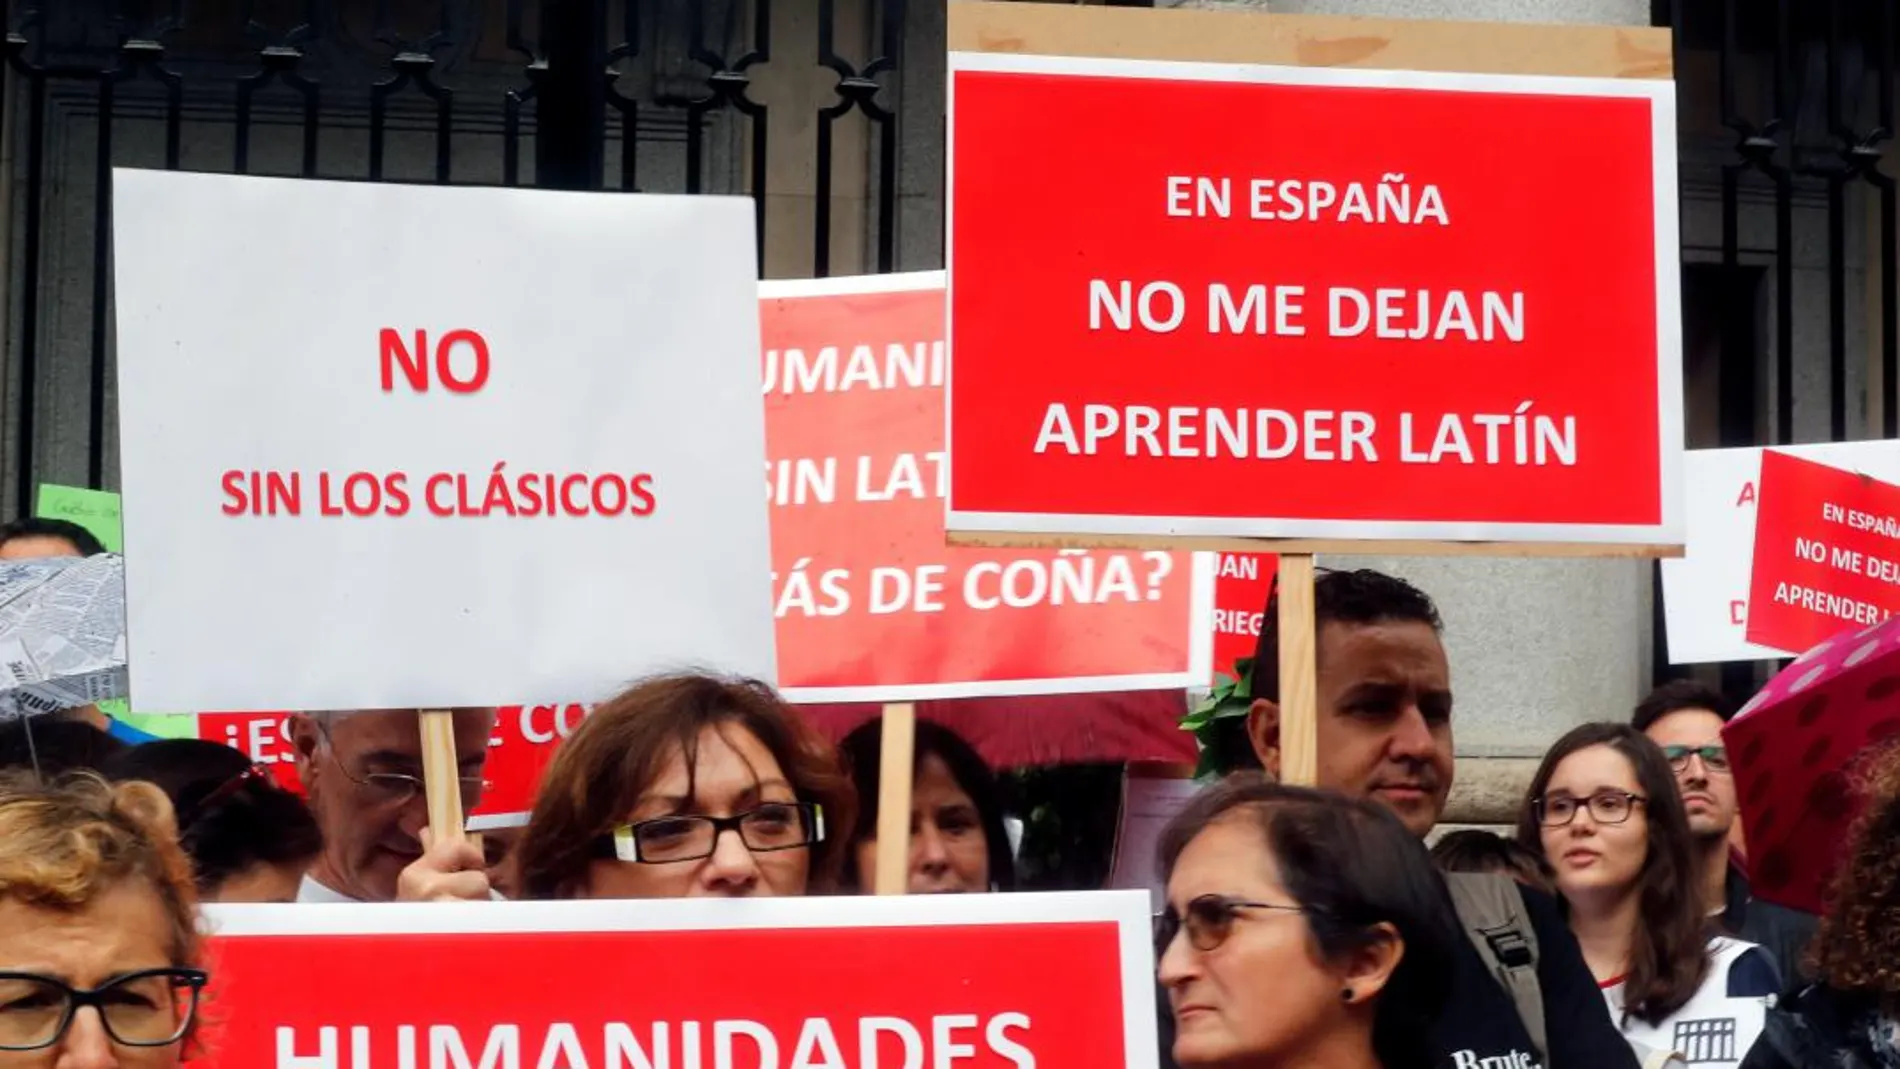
pixel 1850 1018
pixel 99 944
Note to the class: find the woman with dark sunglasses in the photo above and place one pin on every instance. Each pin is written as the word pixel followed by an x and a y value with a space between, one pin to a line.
pixel 249 839
pixel 683 786
pixel 98 940
pixel 1302 929
pixel 1604 810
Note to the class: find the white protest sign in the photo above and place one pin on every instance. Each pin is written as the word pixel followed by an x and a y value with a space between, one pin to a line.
pixel 1705 592
pixel 410 446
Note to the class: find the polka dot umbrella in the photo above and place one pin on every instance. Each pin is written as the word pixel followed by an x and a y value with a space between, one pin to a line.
pixel 1794 750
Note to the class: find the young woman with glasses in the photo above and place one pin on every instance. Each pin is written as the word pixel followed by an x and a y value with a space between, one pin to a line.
pixel 683 786
pixel 98 940
pixel 1302 929
pixel 1604 811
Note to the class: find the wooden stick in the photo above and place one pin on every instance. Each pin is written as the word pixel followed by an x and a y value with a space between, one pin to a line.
pixel 1311 546
pixel 1310 40
pixel 896 758
pixel 441 774
pixel 1299 676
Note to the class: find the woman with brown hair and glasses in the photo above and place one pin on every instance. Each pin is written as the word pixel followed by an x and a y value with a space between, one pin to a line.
pixel 1302 929
pixel 688 785
pixel 98 940
pixel 1604 811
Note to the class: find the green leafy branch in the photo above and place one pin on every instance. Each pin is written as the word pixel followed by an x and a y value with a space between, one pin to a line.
pixel 1219 722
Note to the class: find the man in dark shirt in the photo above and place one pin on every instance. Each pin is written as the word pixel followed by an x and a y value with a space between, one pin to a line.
pixel 1685 718
pixel 1384 730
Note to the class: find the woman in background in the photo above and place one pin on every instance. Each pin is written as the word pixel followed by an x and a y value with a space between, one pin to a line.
pixel 1303 929
pixel 99 946
pixel 1477 850
pixel 1604 811
pixel 249 839
pixel 683 786
pixel 1850 1019
pixel 958 843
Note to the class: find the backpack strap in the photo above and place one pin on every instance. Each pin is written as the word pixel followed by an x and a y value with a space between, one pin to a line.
pixel 1492 912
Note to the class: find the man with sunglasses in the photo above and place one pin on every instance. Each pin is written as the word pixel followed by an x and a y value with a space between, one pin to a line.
pixel 1685 718
pixel 362 770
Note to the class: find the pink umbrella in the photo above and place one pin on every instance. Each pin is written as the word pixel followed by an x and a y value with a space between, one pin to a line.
pixel 1794 748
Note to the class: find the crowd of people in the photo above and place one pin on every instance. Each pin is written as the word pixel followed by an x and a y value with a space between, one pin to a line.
pixel 1613 927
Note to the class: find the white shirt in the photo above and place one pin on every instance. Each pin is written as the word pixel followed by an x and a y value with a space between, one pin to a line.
pixel 312 891
pixel 1718 1025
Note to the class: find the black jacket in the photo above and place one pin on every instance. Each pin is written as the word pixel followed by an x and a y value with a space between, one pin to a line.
pixel 1821 1028
pixel 1784 932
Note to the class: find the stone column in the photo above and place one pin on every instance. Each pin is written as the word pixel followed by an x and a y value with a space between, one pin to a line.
pixel 794 89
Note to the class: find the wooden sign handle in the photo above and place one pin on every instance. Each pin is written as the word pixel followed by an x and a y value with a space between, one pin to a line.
pixel 441 774
pixel 895 761
pixel 1299 675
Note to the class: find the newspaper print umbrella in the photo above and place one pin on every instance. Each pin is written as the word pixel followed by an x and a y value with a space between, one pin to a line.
pixel 62 633
pixel 1794 748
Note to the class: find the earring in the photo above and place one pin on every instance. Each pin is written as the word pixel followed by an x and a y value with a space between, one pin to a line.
pixel 1346 995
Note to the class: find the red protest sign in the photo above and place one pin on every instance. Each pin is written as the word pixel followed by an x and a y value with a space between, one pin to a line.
pixel 1348 325
pixel 1827 553
pixel 520 748
pixel 523 743
pixel 1242 582
pixel 986 982
pixel 871 604
pixel 264 736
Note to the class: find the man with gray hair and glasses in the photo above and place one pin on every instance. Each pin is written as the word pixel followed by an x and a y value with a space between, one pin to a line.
pixel 362 770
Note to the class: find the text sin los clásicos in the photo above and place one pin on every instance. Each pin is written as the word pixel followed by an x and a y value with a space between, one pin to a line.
pixel 461 363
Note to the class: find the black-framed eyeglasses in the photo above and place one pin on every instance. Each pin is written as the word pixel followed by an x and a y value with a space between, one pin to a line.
pixel 1714 757
pixel 689 837
pixel 149 1008
pixel 1606 807
pixel 1209 920
pixel 396 788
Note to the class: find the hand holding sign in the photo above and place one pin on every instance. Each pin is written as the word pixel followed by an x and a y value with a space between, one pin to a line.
pixel 451 869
